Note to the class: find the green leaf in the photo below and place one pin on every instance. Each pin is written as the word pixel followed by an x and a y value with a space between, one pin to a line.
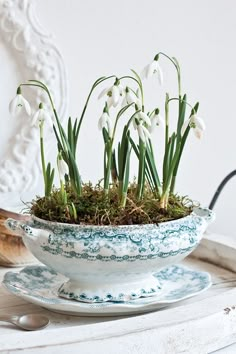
pixel 152 167
pixel 114 171
pixel 173 163
pixel 71 136
pixel 123 152
pixel 51 181
pixel 135 147
pixel 105 134
pixel 141 171
pixel 183 141
pixel 149 179
pixel 166 163
pixel 60 146
pixel 182 110
pixel 76 133
pixel 172 145
pixel 127 171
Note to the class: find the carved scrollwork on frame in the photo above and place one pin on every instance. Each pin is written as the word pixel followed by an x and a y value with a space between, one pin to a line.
pixel 37 58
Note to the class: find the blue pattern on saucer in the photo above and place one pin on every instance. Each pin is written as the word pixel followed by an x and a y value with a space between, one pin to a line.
pixel 39 284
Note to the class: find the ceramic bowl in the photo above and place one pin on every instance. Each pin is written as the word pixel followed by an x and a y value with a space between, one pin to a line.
pixel 111 263
pixel 13 252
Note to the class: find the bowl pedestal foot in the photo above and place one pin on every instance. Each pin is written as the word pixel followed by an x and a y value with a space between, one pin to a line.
pixel 125 289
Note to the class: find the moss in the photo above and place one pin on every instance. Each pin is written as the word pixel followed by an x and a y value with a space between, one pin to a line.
pixel 94 208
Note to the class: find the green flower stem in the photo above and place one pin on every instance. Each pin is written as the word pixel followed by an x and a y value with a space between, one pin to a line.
pixel 108 167
pixel 171 163
pixel 183 141
pixel 123 200
pixel 177 67
pixel 63 193
pixel 125 183
pixel 109 148
pixel 182 100
pixel 166 120
pixel 169 149
pixel 48 173
pixel 73 169
pixel 96 83
pixel 62 141
pixel 141 169
pixel 122 194
pixel 164 201
pixel 124 152
pixel 39 84
pixel 152 167
pixel 138 81
pixel 43 157
pixel 119 114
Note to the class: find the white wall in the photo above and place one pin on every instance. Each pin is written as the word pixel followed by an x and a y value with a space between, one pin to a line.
pixel 102 37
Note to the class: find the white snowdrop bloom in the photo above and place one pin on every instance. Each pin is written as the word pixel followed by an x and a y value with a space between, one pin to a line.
pixel 196 123
pixel 41 115
pixel 129 97
pixel 62 167
pixel 139 104
pixel 156 120
pixel 115 93
pixel 139 99
pixel 151 69
pixel 105 122
pixel 141 117
pixel 145 118
pixel 18 103
pixel 143 133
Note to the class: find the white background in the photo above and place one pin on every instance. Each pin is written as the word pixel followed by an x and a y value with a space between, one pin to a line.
pixel 104 37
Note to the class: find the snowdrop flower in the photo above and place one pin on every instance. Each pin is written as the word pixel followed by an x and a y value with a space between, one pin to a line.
pixel 156 120
pixel 153 68
pixel 195 122
pixel 129 97
pixel 141 117
pixel 105 122
pixel 41 115
pixel 18 103
pixel 62 167
pixel 114 93
pixel 139 99
pixel 143 133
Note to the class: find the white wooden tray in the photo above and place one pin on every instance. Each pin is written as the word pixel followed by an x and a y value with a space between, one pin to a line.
pixel 202 324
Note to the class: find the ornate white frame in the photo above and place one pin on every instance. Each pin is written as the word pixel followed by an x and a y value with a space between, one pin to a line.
pixel 39 59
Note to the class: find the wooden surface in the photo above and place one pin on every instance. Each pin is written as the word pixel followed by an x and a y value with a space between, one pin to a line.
pixel 201 325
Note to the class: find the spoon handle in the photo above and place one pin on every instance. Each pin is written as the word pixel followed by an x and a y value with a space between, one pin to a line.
pixel 7 318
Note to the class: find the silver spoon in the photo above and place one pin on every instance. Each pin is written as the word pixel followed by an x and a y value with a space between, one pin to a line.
pixel 27 322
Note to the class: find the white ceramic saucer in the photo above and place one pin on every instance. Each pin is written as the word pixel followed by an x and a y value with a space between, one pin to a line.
pixel 39 285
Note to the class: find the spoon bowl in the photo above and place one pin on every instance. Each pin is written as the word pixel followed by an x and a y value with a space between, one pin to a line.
pixel 30 322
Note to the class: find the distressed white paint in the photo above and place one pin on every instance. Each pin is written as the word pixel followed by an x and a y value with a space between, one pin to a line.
pixel 27 52
pixel 217 249
pixel 180 328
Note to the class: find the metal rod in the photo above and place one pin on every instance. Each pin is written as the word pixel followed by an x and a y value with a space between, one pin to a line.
pixel 220 188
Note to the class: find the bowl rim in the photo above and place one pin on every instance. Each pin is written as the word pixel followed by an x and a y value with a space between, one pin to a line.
pixel 84 226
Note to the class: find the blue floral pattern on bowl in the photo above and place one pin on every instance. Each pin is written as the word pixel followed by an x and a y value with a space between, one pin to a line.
pixel 112 263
